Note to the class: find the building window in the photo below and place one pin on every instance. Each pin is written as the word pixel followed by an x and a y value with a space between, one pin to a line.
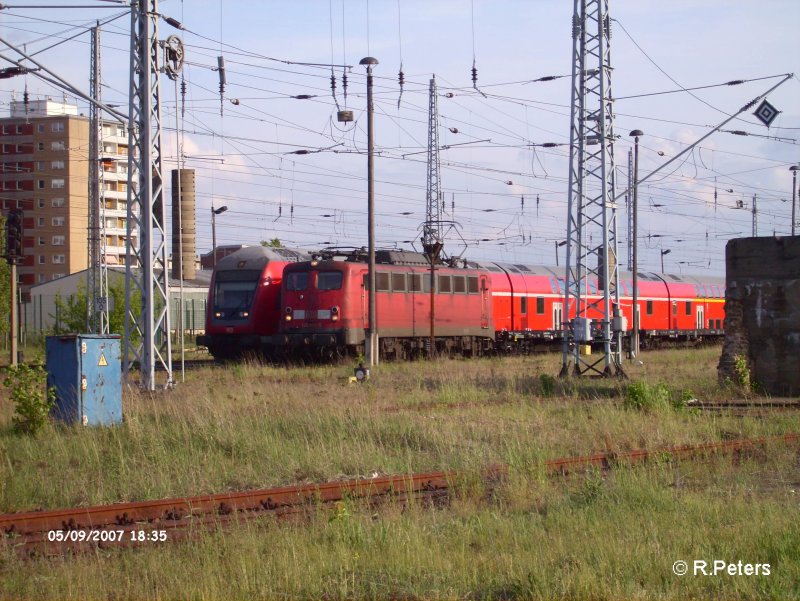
pixel 41 259
pixel 41 183
pixel 40 146
pixel 40 222
pixel 40 203
pixel 57 165
pixel 58 126
pixel 58 145
pixel 19 128
pixel 40 128
pixel 58 240
pixel 41 240
pixel 59 259
pixel 57 275
pixel 58 221
pixel 57 183
pixel 42 278
pixel 58 203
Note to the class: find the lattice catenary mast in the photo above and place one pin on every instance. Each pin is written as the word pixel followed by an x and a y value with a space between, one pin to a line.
pixel 97 274
pixel 432 228
pixel 153 349
pixel 592 221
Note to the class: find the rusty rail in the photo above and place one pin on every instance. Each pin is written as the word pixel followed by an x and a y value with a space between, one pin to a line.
pixel 178 517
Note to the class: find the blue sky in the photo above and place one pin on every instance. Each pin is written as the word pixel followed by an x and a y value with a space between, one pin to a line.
pixel 242 157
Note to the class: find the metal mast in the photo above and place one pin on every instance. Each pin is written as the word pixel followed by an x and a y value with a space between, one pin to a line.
pixel 592 222
pixel 147 335
pixel 97 274
pixel 629 207
pixel 432 228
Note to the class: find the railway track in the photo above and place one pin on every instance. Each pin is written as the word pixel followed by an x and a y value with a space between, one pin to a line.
pixel 76 530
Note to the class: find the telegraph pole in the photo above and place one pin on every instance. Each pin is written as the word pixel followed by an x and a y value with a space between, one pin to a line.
pixel 755 216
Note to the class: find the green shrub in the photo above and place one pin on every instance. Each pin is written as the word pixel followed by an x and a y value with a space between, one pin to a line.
pixel 643 397
pixel 32 400
pixel 547 385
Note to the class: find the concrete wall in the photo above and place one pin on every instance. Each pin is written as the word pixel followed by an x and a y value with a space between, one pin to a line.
pixel 762 312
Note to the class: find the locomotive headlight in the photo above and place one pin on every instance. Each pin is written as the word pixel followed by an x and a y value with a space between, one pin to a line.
pixel 218 314
pixel 288 316
pixel 334 313
pixel 245 314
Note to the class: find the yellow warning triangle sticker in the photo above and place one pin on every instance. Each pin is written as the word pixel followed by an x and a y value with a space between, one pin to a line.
pixel 102 362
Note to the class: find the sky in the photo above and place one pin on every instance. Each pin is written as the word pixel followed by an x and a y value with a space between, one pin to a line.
pixel 505 193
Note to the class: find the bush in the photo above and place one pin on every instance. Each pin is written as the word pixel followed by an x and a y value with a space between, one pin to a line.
pixel 32 400
pixel 643 397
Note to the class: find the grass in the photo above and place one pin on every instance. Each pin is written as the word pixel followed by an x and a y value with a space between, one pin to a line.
pixel 252 426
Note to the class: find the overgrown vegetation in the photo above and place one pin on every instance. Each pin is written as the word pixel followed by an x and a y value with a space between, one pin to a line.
pixel 252 426
pixel 31 398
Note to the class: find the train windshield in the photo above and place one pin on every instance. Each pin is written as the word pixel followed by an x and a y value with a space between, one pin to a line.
pixel 235 289
pixel 297 280
pixel 329 280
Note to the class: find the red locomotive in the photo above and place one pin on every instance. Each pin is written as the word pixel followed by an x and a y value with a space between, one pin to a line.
pixel 243 311
pixel 477 307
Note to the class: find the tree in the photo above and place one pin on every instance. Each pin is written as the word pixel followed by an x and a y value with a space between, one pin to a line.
pixel 71 311
pixel 274 243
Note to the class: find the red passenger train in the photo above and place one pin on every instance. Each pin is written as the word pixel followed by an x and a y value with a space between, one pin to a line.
pixel 243 310
pixel 478 307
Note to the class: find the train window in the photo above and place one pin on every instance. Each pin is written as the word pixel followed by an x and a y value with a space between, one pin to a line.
pixel 415 282
pixel 719 324
pixel 382 282
pixel 523 305
pixel 649 307
pixel 329 280
pixel 297 280
pixel 688 307
pixel 445 284
pixel 426 282
pixel 540 305
pixel 235 289
pixel 459 284
pixel 472 284
pixel 398 282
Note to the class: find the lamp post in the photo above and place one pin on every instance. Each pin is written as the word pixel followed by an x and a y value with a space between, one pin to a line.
pixel 794 169
pixel 664 252
pixel 214 213
pixel 636 133
pixel 372 338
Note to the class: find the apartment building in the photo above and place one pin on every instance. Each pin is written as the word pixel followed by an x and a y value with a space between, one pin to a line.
pixel 44 170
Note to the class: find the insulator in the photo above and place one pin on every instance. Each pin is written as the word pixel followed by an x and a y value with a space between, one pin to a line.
pixel 547 78
pixel 453 130
pixel 333 83
pixel 344 85
pixel 474 75
pixel 221 69
pixel 735 82
pixel 401 78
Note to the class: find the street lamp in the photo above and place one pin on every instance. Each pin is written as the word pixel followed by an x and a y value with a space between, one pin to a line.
pixel 664 252
pixel 372 339
pixel 636 133
pixel 794 169
pixel 214 213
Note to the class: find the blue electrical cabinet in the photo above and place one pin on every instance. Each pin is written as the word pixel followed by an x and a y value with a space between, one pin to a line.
pixel 86 372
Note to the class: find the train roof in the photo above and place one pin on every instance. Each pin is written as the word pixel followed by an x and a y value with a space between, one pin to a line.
pixel 257 257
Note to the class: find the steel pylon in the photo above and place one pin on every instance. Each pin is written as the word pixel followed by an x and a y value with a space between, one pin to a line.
pixel 147 334
pixel 97 272
pixel 591 298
